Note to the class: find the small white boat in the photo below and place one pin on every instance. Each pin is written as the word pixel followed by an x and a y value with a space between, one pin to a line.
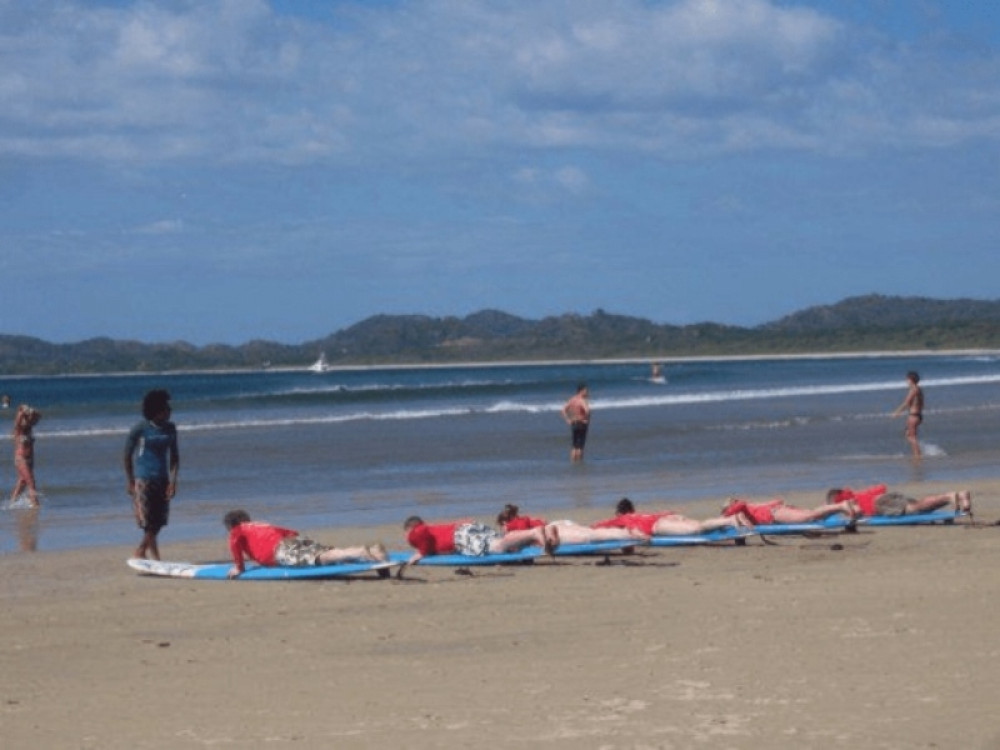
pixel 320 365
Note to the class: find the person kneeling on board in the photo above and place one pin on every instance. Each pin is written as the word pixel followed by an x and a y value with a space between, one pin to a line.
pixel 271 546
pixel 472 539
pixel 878 501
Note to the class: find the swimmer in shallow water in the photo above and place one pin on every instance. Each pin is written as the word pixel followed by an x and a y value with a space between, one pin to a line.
pixel 913 406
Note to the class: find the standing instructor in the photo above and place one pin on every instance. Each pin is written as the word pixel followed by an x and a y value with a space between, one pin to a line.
pixel 151 465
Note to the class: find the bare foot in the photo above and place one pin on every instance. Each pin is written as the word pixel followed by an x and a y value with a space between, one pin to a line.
pixel 551 539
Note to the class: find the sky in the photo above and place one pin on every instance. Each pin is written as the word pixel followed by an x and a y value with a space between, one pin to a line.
pixel 220 171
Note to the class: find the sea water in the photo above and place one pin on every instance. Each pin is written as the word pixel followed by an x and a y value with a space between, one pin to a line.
pixel 374 445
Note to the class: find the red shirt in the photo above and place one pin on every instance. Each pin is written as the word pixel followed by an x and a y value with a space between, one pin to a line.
pixel 864 498
pixel 756 512
pixel 523 523
pixel 644 522
pixel 438 539
pixel 256 540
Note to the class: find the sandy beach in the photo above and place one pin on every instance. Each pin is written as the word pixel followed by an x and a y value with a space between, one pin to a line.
pixel 880 639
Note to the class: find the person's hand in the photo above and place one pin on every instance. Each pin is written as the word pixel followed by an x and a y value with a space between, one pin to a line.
pixel 234 572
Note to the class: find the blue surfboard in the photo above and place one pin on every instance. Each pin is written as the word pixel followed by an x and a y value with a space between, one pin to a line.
pixel 827 525
pixel 916 519
pixel 525 555
pixel 461 561
pixel 719 535
pixel 220 571
pixel 597 548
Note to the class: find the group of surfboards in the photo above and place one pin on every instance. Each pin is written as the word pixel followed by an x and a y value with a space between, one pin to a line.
pixel 733 535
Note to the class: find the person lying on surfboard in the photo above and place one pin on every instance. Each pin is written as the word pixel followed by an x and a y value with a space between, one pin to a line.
pixel 664 523
pixel 272 546
pixel 473 539
pixel 570 532
pixel 878 501
pixel 777 511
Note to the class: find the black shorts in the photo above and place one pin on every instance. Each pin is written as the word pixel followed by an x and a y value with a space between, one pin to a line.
pixel 579 434
pixel 151 507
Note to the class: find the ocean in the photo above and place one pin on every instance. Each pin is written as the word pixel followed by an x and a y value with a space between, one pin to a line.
pixel 374 445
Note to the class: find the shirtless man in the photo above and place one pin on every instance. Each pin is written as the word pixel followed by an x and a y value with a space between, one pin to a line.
pixel 576 412
pixel 913 405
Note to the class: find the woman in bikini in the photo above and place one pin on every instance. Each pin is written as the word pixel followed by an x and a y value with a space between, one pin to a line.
pixel 663 523
pixel 913 405
pixel 24 453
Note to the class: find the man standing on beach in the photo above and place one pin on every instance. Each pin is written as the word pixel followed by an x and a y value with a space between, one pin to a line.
pixel 151 466
pixel 576 412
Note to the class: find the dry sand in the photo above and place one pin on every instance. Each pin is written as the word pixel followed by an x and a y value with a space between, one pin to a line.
pixel 887 642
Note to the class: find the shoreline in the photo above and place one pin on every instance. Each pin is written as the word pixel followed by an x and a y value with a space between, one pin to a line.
pixel 493 364
pixel 64 527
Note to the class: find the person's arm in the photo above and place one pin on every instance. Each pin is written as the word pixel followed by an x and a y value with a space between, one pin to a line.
pixel 237 552
pixel 906 403
pixel 610 523
pixel 129 470
pixel 175 466
pixel 736 507
pixel 421 539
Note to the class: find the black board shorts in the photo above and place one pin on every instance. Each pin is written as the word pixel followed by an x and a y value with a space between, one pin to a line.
pixel 151 506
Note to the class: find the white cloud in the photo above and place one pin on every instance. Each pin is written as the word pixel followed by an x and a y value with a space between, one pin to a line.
pixel 572 178
pixel 235 80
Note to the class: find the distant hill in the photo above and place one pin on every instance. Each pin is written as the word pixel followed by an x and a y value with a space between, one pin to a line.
pixel 876 311
pixel 868 323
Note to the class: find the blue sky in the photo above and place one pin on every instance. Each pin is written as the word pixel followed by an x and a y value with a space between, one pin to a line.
pixel 221 171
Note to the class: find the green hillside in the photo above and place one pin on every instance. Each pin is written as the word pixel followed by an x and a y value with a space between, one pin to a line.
pixel 870 323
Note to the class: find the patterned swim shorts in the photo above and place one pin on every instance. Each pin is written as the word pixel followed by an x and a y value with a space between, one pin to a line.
pixel 891 504
pixel 297 552
pixel 474 539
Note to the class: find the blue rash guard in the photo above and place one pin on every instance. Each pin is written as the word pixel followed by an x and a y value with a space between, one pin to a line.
pixel 151 445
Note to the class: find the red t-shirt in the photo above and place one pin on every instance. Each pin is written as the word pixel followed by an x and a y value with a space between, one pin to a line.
pixel 256 540
pixel 756 512
pixel 644 522
pixel 523 523
pixel 438 539
pixel 864 498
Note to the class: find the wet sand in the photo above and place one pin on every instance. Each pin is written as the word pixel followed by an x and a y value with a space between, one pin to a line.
pixel 880 639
